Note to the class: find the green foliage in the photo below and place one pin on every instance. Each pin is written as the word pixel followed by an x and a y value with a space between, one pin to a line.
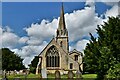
pixel 114 71
pixel 11 61
pixel 33 64
pixel 32 69
pixel 103 54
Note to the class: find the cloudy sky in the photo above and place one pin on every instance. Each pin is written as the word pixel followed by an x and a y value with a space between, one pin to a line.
pixel 27 27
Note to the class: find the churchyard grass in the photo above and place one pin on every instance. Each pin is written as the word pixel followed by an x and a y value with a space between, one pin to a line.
pixel 92 76
pixel 89 76
pixel 85 76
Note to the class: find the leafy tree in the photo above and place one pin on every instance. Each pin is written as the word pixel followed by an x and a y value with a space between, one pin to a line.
pixel 11 61
pixel 33 64
pixel 103 54
pixel 114 71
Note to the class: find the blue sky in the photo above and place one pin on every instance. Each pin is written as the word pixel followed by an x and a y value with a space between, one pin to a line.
pixel 18 15
pixel 27 27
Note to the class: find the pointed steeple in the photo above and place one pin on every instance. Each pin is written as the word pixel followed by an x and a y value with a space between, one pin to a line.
pixel 62 19
pixel 62 31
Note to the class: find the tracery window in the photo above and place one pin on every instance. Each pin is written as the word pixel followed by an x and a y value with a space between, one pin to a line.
pixel 52 57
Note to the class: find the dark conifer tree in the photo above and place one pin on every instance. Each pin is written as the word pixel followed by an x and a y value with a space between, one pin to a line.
pixel 102 55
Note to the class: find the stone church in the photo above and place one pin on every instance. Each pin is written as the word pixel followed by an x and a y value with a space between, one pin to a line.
pixel 56 55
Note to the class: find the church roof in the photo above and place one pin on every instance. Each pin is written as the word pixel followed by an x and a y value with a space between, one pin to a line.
pixel 75 51
pixel 52 40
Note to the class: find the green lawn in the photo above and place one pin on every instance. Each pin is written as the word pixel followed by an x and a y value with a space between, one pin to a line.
pixel 85 76
pixel 89 76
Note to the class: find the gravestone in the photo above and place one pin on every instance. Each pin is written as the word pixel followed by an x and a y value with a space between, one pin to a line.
pixel 4 72
pixel 5 77
pixel 15 72
pixel 1 72
pixel 70 74
pixel 78 75
pixel 57 74
pixel 11 72
pixel 21 72
pixel 44 73
pixel 8 73
pixel 25 75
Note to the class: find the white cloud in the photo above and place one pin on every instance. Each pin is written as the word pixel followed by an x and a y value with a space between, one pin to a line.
pixel 23 40
pixel 29 51
pixel 82 22
pixel 1 30
pixel 79 23
pixel 112 12
pixel 8 38
pixel 71 48
pixel 39 32
pixel 8 29
pixel 109 2
pixel 90 3
pixel 80 45
pixel 27 60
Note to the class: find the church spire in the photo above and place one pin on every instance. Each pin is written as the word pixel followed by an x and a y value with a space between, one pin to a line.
pixel 62 19
pixel 62 31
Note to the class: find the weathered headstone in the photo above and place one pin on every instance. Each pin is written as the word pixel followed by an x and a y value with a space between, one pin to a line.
pixel 78 75
pixel 11 72
pixel 5 78
pixel 25 74
pixel 21 72
pixel 8 73
pixel 4 72
pixel 57 74
pixel 70 74
pixel 44 73
pixel 1 72
pixel 15 72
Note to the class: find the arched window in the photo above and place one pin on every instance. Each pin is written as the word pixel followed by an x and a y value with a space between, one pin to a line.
pixel 52 57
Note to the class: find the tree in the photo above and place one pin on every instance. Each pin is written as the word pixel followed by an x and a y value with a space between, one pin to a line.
pixel 103 54
pixel 11 61
pixel 33 64
pixel 114 71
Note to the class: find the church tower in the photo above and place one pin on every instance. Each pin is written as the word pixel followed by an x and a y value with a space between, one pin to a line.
pixel 62 33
